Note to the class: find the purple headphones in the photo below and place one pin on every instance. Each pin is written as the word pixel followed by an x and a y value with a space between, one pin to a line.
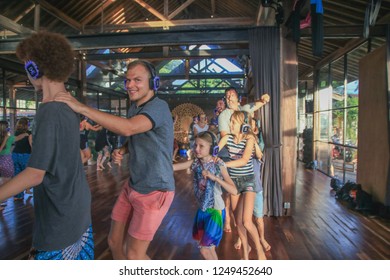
pixel 32 69
pixel 154 81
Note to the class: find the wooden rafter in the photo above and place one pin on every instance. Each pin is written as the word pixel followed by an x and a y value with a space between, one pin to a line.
pixel 96 11
pixel 151 9
pixel 60 15
pixel 180 9
pixel 235 21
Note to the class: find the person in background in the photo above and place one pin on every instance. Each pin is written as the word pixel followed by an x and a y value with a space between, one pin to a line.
pixel 241 144
pixel 233 104
pixel 22 151
pixel 62 198
pixel 258 211
pixel 201 125
pixel 191 137
pixel 85 127
pixel 6 162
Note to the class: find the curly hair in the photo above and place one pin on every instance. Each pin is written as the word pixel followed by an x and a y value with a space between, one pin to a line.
pixel 52 53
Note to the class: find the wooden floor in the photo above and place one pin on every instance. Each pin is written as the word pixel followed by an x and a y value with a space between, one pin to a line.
pixel 320 227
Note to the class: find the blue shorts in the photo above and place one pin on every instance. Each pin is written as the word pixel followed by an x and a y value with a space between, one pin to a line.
pixel 258 211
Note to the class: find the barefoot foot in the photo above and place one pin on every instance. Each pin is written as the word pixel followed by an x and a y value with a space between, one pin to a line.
pixel 265 245
pixel 237 245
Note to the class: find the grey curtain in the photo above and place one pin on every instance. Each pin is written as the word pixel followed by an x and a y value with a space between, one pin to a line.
pixel 264 50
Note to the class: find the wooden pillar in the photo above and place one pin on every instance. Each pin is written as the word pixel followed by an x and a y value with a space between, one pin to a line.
pixel 288 121
pixel 373 134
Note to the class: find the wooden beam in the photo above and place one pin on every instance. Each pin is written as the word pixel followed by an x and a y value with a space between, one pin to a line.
pixel 188 54
pixel 60 15
pixel 235 21
pixel 144 39
pixel 260 12
pixel 334 55
pixel 346 31
pixel 151 9
pixel 181 8
pixel 37 17
pixel 166 8
pixel 172 54
pixel 13 26
pixel 213 7
pixel 25 12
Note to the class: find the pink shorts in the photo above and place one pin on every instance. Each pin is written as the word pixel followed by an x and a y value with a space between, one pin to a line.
pixel 144 212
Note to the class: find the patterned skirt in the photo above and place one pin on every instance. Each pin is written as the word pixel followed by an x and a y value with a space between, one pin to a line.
pixel 208 227
pixel 6 166
pixel 83 249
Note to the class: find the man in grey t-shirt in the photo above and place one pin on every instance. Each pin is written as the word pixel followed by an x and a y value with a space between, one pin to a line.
pixel 148 194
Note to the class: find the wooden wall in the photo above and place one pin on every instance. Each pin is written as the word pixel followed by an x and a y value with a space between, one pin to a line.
pixel 288 122
pixel 373 136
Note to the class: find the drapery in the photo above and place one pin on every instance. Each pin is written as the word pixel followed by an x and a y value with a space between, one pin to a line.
pixel 264 50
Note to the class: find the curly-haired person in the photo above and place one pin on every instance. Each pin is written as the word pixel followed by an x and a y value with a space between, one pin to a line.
pixel 62 199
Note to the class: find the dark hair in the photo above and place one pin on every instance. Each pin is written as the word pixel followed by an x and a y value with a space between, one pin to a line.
pixel 51 52
pixel 3 130
pixel 22 125
pixel 231 88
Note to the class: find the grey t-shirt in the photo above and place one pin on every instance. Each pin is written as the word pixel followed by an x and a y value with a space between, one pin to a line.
pixel 62 201
pixel 150 153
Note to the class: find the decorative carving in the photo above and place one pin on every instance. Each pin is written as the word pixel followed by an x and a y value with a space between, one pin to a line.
pixel 185 113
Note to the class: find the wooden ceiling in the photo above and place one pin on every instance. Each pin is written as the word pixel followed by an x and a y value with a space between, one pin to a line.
pixel 160 30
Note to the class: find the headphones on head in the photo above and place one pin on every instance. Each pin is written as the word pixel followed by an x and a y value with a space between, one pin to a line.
pixel 214 148
pixel 245 127
pixel 32 69
pixel 154 81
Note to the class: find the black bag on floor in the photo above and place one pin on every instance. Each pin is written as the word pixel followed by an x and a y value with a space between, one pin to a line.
pixel 336 184
pixel 363 201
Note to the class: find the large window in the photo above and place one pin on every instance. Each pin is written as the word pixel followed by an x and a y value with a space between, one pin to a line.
pixel 336 116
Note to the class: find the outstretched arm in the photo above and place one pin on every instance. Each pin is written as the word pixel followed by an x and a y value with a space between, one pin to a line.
pixel 122 126
pixel 182 165
pixel 223 141
pixel 264 99
pixel 258 152
pixel 29 177
pixel 21 136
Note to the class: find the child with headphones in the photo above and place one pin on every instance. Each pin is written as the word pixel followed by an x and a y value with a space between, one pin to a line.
pixel 210 174
pixel 241 145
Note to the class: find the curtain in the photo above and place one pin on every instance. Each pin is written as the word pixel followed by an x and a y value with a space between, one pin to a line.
pixel 264 50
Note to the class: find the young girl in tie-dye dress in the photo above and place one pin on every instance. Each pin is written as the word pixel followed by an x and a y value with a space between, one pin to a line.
pixel 209 175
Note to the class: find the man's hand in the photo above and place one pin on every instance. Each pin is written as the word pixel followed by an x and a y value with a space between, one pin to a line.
pixel 265 98
pixel 72 102
pixel 117 156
